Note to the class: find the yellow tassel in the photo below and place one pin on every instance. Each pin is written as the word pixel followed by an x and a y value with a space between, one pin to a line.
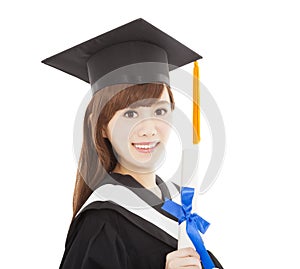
pixel 196 104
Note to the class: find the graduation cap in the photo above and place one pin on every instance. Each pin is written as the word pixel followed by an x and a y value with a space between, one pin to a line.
pixel 135 53
pixel 137 43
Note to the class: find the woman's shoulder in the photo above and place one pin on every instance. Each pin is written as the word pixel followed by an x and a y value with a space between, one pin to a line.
pixel 108 217
pixel 98 213
pixel 98 217
pixel 104 215
pixel 95 229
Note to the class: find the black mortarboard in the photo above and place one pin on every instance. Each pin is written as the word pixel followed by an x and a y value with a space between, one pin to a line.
pixel 137 52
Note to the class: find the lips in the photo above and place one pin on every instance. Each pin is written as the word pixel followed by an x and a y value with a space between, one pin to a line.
pixel 145 147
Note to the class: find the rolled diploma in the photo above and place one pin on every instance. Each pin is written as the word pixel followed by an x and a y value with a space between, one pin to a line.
pixel 189 178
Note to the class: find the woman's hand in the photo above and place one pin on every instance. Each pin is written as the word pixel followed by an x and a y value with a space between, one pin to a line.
pixel 186 258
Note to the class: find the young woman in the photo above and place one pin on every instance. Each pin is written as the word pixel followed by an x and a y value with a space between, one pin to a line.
pixel 117 217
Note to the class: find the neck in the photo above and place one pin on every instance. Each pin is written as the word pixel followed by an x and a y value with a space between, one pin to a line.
pixel 147 180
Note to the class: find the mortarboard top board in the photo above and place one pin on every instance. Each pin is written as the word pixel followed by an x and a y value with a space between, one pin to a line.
pixel 138 51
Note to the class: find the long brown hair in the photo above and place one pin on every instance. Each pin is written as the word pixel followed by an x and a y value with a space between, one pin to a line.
pixel 97 157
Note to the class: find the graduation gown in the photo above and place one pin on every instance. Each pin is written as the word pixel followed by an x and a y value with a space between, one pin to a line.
pixel 106 235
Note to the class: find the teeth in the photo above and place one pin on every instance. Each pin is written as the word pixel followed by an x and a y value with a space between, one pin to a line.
pixel 145 146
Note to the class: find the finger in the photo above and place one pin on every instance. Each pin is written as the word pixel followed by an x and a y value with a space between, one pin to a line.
pixel 191 267
pixel 186 252
pixel 187 262
pixel 182 253
pixel 184 267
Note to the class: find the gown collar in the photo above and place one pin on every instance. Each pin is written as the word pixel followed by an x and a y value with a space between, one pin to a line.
pixel 146 195
pixel 130 182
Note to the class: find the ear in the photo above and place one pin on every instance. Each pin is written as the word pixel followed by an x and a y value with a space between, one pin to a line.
pixel 104 133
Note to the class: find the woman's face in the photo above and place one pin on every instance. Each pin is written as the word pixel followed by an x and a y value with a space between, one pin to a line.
pixel 139 135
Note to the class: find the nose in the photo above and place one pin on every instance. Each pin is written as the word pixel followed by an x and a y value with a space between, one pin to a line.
pixel 147 128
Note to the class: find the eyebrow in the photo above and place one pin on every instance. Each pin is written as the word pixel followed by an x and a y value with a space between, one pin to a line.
pixel 162 102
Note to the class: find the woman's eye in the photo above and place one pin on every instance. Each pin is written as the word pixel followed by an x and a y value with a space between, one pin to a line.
pixel 160 111
pixel 130 114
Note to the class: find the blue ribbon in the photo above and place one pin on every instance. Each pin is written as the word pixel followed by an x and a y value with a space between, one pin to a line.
pixel 194 223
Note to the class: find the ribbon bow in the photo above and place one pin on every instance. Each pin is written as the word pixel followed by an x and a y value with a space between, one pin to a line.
pixel 194 223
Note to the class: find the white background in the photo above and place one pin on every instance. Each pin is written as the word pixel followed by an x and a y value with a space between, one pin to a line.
pixel 251 67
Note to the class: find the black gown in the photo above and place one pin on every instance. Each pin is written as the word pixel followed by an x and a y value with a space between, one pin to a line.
pixel 105 235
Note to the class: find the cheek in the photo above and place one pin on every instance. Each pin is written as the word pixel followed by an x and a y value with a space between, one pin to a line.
pixel 120 135
pixel 164 130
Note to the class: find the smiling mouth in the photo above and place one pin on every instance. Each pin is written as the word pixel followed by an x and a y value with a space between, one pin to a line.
pixel 146 147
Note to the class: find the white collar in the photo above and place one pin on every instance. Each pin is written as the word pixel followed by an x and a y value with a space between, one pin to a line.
pixel 127 199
